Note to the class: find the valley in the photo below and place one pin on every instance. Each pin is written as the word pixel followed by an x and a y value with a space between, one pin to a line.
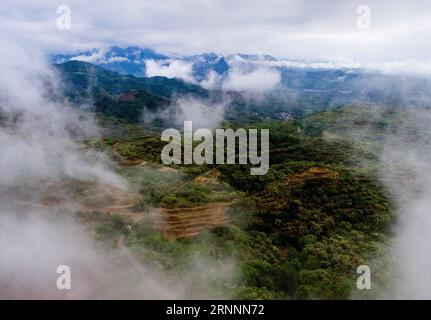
pixel 215 150
pixel 297 232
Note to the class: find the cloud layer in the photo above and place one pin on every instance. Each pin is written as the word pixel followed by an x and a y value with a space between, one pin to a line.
pixel 258 80
pixel 292 29
pixel 172 69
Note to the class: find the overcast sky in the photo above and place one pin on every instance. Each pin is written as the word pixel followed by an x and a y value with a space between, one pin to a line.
pixel 309 30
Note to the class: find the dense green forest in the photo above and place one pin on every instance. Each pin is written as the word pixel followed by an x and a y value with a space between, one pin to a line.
pixel 300 231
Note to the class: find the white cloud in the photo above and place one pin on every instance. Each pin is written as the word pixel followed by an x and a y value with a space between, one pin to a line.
pixel 292 29
pixel 116 59
pixel 411 66
pixel 314 65
pixel 408 66
pixel 96 57
pixel 172 69
pixel 260 79
pixel 211 80
pixel 202 114
pixel 405 171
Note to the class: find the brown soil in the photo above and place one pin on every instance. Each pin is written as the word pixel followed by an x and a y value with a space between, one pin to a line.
pixel 167 169
pixel 312 173
pixel 174 223
pixel 189 222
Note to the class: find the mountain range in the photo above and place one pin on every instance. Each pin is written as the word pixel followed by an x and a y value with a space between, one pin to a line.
pixel 310 83
pixel 132 60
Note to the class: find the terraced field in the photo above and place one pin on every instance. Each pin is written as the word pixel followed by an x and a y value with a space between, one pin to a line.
pixel 172 222
pixel 189 222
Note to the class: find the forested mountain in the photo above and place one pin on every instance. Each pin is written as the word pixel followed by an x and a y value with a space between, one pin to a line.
pixel 82 78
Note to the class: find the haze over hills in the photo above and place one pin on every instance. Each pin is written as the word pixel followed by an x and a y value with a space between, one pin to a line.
pixel 127 97
pixel 336 95
pixel 111 85
pixel 300 231
pixel 132 60
pixel 311 83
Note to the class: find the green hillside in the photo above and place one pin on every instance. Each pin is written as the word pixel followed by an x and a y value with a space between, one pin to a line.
pixel 83 80
pixel 299 231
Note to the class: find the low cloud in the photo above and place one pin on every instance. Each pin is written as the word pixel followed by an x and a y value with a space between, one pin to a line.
pixel 97 56
pixel 204 114
pixel 258 80
pixel 410 67
pixel 45 174
pixel 211 81
pixel 171 69
pixel 405 171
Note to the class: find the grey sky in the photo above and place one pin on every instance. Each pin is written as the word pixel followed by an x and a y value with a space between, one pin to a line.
pixel 314 30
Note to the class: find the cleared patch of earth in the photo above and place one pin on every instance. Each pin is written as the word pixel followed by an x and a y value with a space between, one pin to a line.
pixel 87 198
